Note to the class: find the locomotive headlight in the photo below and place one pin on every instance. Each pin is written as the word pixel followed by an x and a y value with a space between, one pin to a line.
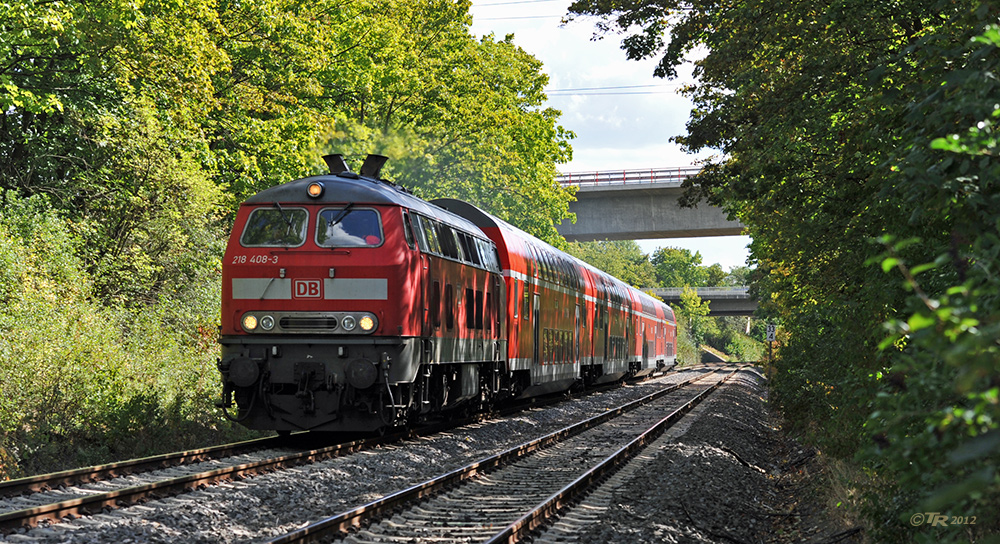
pixel 367 323
pixel 267 322
pixel 249 323
pixel 315 189
pixel 348 322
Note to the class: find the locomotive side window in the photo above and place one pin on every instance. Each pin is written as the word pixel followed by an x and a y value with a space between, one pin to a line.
pixel 470 309
pixel 436 304
pixel 460 253
pixel 418 231
pixel 470 248
pixel 479 309
pixel 449 306
pixel 488 318
pixel 447 238
pixel 407 231
pixel 275 227
pixel 348 227
pixel 494 255
pixel 430 234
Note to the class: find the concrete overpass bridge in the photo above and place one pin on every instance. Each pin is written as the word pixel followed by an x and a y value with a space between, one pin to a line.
pixel 642 204
pixel 723 301
pixel 638 205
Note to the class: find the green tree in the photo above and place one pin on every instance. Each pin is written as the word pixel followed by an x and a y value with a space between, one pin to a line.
pixel 695 312
pixel 838 123
pixel 623 259
pixel 938 416
pixel 715 275
pixel 677 267
pixel 470 123
pixel 144 124
pixel 739 275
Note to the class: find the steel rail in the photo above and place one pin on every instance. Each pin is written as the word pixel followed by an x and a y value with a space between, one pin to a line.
pixel 538 515
pixel 345 521
pixel 52 480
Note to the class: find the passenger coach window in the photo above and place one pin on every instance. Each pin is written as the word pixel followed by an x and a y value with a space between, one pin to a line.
pixel 348 227
pixel 527 301
pixel 275 227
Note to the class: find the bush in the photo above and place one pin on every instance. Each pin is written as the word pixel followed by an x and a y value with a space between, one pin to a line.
pixel 84 383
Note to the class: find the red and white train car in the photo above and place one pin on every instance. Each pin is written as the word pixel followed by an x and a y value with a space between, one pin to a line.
pixel 351 305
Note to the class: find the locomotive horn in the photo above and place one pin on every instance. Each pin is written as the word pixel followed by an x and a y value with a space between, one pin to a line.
pixel 336 163
pixel 373 165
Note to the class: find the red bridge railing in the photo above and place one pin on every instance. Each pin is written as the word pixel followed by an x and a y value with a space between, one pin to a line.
pixel 628 177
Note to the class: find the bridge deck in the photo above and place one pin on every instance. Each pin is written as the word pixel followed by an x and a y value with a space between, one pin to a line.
pixel 722 301
pixel 639 204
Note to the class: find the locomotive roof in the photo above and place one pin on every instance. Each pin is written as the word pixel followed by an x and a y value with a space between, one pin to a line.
pixel 350 187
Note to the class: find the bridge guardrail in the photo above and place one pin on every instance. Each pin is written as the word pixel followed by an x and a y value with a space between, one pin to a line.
pixel 707 292
pixel 628 177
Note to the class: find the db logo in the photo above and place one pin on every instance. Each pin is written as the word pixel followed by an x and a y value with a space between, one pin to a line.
pixel 308 288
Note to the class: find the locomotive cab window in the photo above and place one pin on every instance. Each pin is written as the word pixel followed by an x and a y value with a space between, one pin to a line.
pixel 275 227
pixel 408 232
pixel 348 227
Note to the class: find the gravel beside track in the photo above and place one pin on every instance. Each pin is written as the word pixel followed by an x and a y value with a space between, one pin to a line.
pixel 270 505
pixel 723 479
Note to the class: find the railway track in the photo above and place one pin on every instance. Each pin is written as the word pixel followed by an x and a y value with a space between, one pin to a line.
pixel 491 500
pixel 28 501
pixel 87 491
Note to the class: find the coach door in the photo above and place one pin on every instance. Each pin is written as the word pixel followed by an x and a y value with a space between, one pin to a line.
pixel 576 336
pixel 536 327
pixel 605 325
pixel 645 348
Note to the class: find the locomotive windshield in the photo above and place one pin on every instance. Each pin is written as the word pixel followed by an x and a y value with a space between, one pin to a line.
pixel 275 227
pixel 348 227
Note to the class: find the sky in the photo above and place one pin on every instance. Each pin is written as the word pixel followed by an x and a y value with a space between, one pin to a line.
pixel 623 117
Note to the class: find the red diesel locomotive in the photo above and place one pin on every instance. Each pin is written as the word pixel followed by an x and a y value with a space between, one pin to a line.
pixel 348 304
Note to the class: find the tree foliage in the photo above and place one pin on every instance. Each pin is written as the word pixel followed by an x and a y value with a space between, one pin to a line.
pixel 695 312
pixel 137 118
pixel 622 259
pixel 851 135
pixel 678 267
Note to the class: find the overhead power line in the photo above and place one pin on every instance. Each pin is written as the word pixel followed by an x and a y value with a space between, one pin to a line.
pixel 613 90
pixel 610 88
pixel 513 2
pixel 520 17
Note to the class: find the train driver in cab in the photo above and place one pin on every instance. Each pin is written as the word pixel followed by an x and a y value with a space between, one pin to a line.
pixel 349 227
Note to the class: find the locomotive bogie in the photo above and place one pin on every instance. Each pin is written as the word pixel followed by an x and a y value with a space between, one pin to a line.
pixel 284 384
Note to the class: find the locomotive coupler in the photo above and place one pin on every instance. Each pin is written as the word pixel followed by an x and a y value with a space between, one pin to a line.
pixel 305 393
